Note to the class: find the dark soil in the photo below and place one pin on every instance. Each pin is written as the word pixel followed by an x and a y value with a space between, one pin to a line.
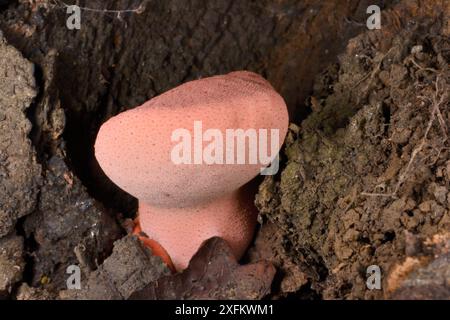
pixel 365 169
pixel 368 167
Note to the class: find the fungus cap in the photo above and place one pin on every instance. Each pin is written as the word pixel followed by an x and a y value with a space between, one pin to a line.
pixel 135 148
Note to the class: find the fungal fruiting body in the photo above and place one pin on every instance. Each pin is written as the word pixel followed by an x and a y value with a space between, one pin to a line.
pixel 187 155
pixel 181 232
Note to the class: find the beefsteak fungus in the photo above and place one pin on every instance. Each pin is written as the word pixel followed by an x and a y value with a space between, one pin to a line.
pixel 187 155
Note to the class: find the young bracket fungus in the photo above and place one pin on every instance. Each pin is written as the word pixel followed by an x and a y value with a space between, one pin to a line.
pixel 187 155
